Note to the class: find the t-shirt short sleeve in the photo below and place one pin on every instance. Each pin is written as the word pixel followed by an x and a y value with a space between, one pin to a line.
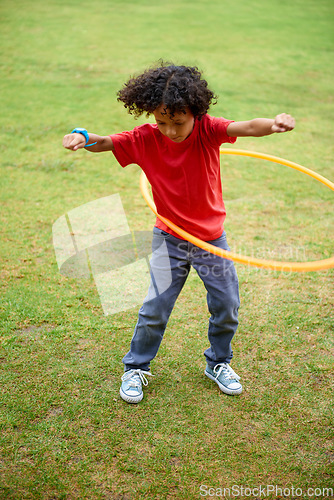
pixel 127 146
pixel 217 131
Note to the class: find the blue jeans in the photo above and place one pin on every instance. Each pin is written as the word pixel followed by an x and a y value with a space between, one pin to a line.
pixel 169 266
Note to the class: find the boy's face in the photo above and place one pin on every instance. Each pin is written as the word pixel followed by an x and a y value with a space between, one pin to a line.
pixel 176 127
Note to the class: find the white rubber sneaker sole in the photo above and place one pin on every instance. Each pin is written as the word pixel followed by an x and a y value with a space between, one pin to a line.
pixel 130 399
pixel 223 388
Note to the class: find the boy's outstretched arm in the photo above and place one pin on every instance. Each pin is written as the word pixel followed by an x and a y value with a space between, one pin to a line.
pixel 77 141
pixel 260 127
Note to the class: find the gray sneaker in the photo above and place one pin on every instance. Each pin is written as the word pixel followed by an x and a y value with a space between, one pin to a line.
pixel 225 377
pixel 131 389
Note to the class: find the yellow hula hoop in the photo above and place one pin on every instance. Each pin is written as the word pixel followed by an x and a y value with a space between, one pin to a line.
pixel 317 265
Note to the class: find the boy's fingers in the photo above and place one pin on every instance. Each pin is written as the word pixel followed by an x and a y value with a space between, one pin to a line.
pixel 73 141
pixel 277 129
pixel 283 123
pixel 74 144
pixel 68 141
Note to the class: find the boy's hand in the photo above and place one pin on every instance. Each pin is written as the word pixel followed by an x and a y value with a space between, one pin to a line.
pixel 74 141
pixel 283 123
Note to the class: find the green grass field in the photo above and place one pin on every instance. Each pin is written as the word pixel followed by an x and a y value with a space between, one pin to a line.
pixel 65 433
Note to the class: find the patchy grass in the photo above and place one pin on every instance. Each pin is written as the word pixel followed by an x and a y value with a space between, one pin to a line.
pixel 65 433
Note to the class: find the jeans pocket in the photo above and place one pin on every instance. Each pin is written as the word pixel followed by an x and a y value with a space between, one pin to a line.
pixel 160 232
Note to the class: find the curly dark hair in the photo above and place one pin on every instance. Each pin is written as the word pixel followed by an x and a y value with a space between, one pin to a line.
pixel 177 87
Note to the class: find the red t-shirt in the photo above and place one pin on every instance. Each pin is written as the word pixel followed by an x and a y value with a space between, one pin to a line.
pixel 185 176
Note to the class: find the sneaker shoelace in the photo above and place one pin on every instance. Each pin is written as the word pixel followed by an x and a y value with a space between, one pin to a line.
pixel 135 377
pixel 227 371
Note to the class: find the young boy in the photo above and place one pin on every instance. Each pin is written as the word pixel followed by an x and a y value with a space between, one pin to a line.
pixel 180 157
